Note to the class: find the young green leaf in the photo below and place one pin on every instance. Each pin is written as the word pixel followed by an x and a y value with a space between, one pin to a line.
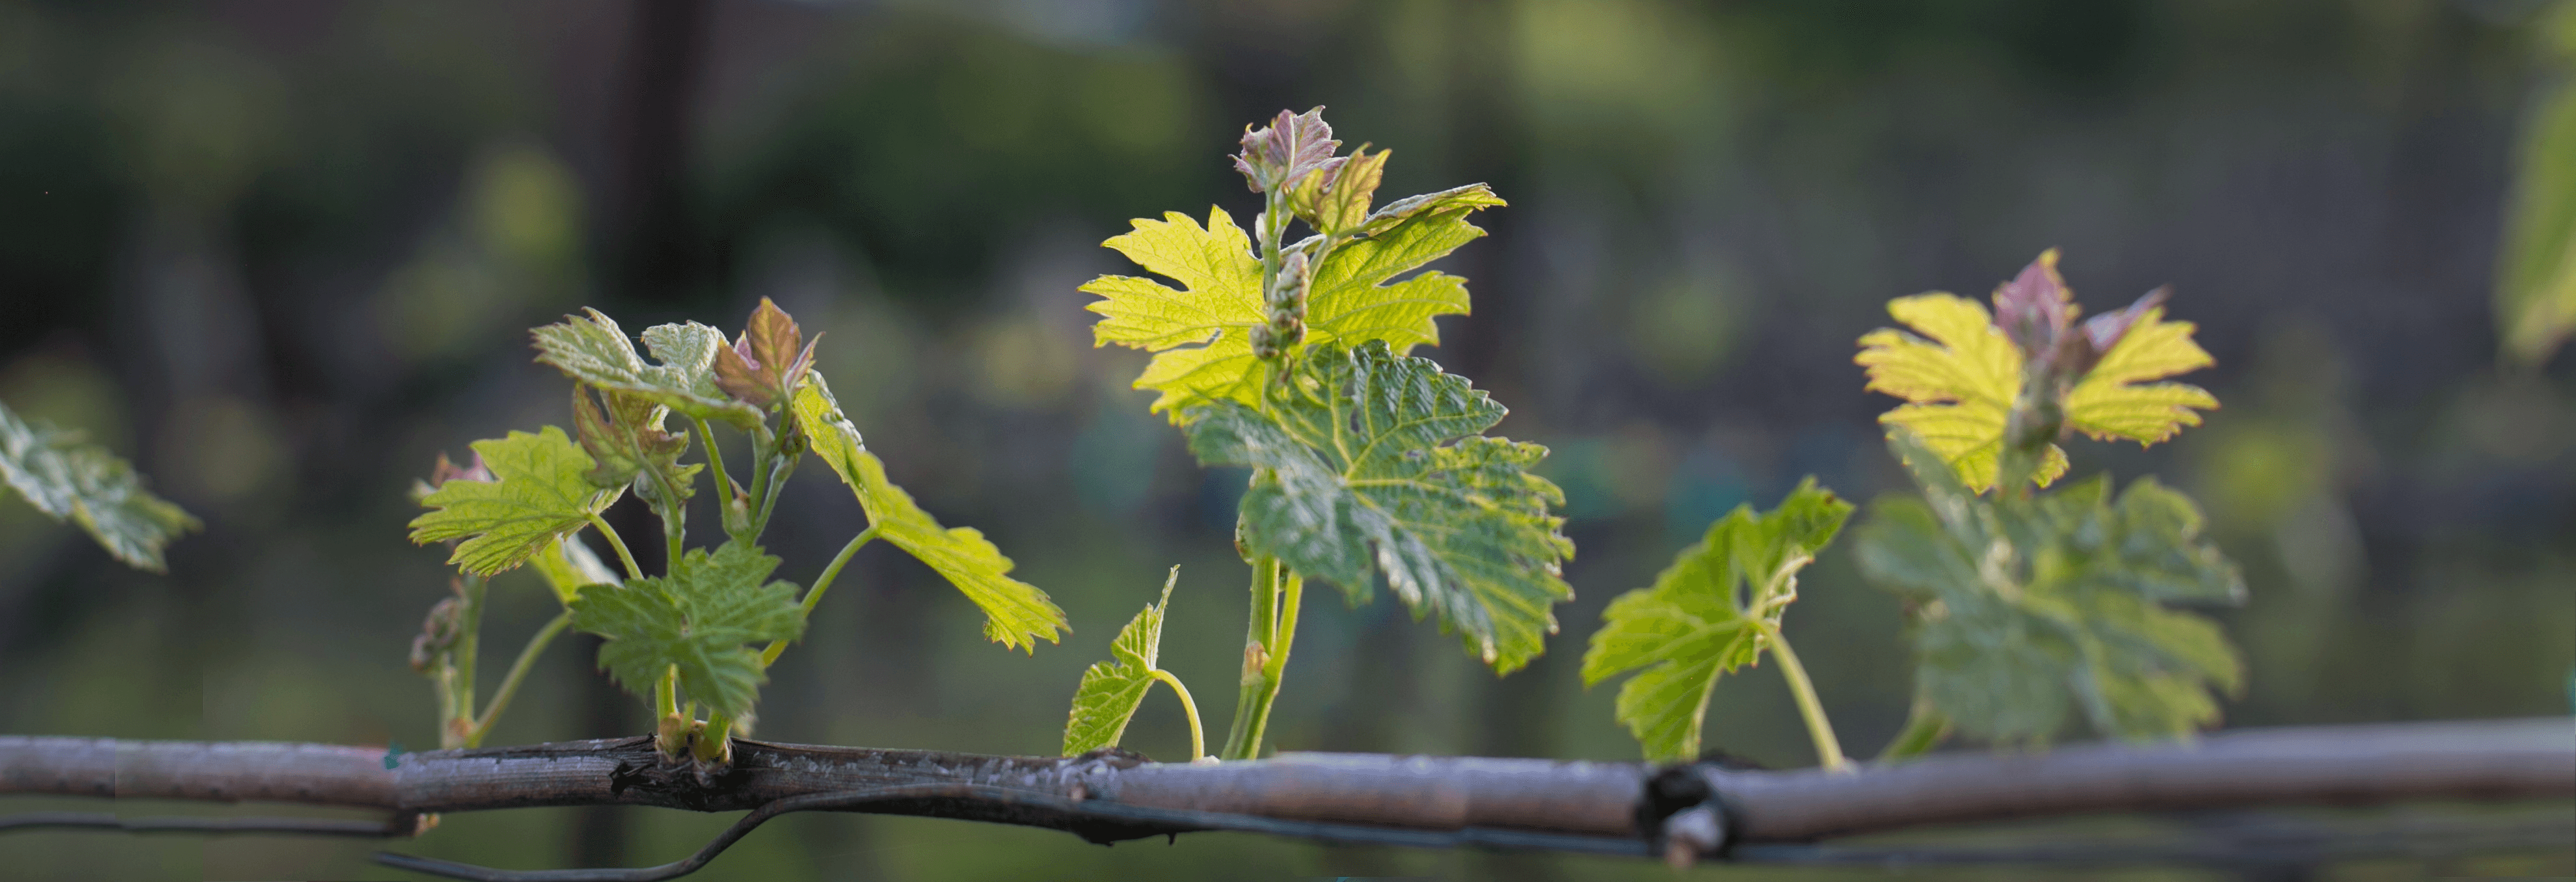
pixel 1961 382
pixel 65 477
pixel 2037 609
pixel 543 494
pixel 1336 201
pixel 1016 613
pixel 1358 473
pixel 1201 333
pixel 1289 149
pixel 766 361
pixel 629 444
pixel 594 350
pixel 1707 615
pixel 700 618
pixel 1112 690
pixel 570 566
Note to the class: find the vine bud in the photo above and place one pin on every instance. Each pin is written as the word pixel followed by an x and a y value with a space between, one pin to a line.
pixel 1285 306
pixel 1293 146
pixel 437 634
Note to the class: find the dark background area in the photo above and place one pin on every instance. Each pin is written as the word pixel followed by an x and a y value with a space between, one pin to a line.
pixel 282 254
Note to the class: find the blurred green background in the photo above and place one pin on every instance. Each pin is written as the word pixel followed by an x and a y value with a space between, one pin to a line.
pixel 282 254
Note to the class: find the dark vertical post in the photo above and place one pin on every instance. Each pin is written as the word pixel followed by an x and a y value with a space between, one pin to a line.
pixel 655 256
pixel 659 255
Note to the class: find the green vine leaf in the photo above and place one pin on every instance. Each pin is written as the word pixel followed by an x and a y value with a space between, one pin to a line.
pixel 1112 690
pixel 1201 332
pixel 67 478
pixel 701 618
pixel 1016 613
pixel 2040 609
pixel 543 493
pixel 1369 461
pixel 594 350
pixel 1709 613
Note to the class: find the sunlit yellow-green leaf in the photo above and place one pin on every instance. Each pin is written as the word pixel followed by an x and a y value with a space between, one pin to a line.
pixel 1201 332
pixel 1959 376
pixel 1016 613
pixel 2117 403
pixel 2535 297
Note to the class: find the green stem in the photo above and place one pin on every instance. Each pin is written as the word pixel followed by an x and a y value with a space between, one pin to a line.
pixel 1829 752
pixel 518 672
pixel 666 692
pixel 715 461
pixel 715 743
pixel 1251 698
pixel 1277 596
pixel 632 571
pixel 814 595
pixel 1925 726
pixel 763 449
pixel 1198 745
pixel 782 466
pixel 674 514
pixel 1284 631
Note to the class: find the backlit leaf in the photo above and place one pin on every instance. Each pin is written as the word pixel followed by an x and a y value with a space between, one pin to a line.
pixel 68 478
pixel 1337 200
pixel 543 494
pixel 594 350
pixel 702 618
pixel 1961 374
pixel 769 359
pixel 1368 462
pixel 1016 613
pixel 1112 690
pixel 1201 332
pixel 570 566
pixel 1706 616
pixel 1293 146
pixel 2535 296
pixel 2035 610
pixel 2115 402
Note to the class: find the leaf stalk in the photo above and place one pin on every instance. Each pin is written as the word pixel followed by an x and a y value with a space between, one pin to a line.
pixel 1829 750
pixel 1190 706
pixel 509 687
pixel 628 557
pixel 814 595
pixel 1925 726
